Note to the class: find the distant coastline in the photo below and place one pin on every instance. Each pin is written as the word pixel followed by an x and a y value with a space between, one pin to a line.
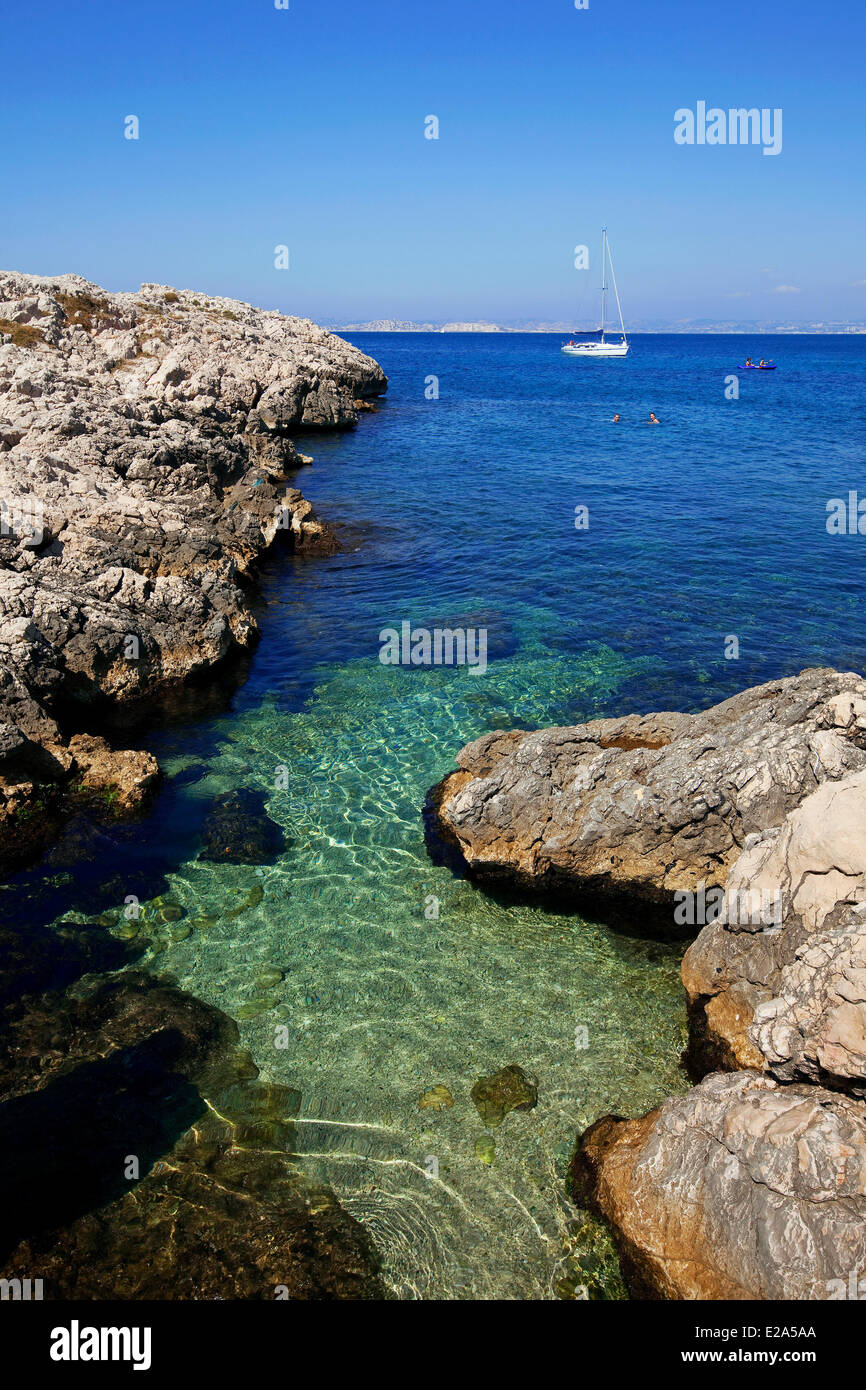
pixel 532 326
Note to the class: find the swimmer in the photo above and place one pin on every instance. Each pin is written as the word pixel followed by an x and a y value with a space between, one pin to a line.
pixel 652 420
pixel 615 420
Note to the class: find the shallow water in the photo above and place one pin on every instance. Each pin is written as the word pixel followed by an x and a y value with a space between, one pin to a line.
pixel 398 977
pixel 390 976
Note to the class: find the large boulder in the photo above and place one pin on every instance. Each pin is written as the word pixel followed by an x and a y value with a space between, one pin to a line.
pixel 648 805
pixel 742 1189
pixel 751 818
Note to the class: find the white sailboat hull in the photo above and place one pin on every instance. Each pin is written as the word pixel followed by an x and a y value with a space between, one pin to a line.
pixel 596 349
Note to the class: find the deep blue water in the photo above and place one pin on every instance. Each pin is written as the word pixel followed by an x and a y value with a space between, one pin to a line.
pixel 712 523
pixel 459 511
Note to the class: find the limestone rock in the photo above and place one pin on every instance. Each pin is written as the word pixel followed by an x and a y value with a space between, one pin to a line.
pixel 648 805
pixel 124 777
pixel 145 462
pixel 789 994
pixel 742 1189
pixel 815 1027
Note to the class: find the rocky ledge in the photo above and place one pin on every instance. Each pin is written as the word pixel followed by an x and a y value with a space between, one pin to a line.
pixel 747 821
pixel 145 448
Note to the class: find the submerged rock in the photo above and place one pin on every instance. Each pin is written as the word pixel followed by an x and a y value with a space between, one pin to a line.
pixel 212 1221
pixel 254 1007
pixel 141 1158
pixel 269 979
pixel 437 1098
pixel 502 1091
pixel 251 899
pixel 38 957
pixel 238 830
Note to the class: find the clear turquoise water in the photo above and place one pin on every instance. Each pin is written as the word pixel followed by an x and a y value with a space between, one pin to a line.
pixel 712 524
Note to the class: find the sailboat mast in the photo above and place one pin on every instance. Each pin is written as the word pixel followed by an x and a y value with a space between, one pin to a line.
pixel 616 293
pixel 603 269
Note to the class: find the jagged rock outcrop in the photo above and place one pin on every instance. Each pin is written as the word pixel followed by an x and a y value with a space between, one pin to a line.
pixel 145 447
pixel 752 1186
pixel 787 992
pixel 649 805
pixel 741 1189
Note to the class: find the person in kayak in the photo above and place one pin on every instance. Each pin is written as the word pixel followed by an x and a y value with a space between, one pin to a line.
pixel 749 362
pixel 762 363
pixel 652 420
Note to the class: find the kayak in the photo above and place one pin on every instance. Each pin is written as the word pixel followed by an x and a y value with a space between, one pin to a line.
pixel 754 367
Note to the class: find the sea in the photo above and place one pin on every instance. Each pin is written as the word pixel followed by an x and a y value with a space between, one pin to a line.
pixel 614 567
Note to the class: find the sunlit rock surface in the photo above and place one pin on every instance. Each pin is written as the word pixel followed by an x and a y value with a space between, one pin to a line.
pixel 145 452
pixel 648 805
pixel 741 1189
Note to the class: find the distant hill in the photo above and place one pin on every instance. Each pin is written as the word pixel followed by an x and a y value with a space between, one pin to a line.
pixel 385 326
pixel 405 326
pixel 638 326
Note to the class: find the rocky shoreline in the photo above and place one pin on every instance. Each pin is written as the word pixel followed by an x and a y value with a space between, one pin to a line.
pixel 145 458
pixel 145 451
pixel 747 821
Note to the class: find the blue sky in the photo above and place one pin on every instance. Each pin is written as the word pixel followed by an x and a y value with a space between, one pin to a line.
pixel 305 127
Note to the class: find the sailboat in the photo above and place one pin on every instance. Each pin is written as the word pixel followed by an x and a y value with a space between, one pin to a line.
pixel 602 348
